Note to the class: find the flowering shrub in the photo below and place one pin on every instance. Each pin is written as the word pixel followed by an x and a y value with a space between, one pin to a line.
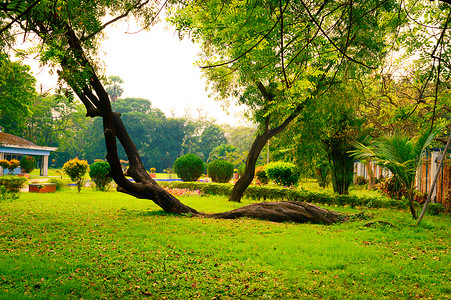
pixel 184 192
pixel 76 170
pixel 4 164
pixel 13 164
pixel 260 173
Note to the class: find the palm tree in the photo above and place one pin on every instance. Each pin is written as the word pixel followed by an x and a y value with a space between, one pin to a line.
pixel 114 89
pixel 401 155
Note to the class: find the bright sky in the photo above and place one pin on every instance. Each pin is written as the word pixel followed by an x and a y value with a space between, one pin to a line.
pixel 157 66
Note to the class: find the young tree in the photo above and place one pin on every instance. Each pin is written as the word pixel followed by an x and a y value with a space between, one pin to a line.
pixel 401 155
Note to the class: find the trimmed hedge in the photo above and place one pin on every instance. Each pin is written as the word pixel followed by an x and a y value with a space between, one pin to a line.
pixel 188 167
pixel 220 171
pixel 260 193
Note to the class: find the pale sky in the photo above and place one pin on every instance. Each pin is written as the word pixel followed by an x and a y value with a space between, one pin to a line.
pixel 157 66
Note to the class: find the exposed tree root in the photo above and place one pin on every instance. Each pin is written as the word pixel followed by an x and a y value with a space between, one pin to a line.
pixel 284 211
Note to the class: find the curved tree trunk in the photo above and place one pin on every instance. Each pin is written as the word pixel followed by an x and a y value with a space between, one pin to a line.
pixel 251 160
pixel 95 98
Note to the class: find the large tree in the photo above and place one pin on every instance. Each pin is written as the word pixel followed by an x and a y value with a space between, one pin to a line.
pixel 17 92
pixel 277 57
pixel 68 31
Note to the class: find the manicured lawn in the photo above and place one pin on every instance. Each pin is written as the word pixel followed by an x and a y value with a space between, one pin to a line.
pixel 107 245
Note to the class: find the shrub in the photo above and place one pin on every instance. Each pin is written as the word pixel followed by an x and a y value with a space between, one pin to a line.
pixel 260 173
pixel 4 164
pixel 435 209
pixel 98 172
pixel 392 187
pixel 13 164
pixel 60 184
pixel 220 171
pixel 282 173
pixel 152 170
pixel 241 169
pixel 28 163
pixel 360 180
pixel 76 170
pixel 188 167
pixel 12 184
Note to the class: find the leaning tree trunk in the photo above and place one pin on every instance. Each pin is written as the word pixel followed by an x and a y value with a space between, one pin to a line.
pixel 93 95
pixel 248 175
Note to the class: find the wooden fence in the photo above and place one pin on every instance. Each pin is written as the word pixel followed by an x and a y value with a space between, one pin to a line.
pixel 429 166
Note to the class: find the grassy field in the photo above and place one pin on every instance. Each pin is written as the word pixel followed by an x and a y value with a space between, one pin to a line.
pixel 107 245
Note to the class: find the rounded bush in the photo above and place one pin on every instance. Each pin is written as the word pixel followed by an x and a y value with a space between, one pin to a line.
pixel 76 170
pixel 188 167
pixel 28 163
pixel 260 173
pixel 282 173
pixel 220 171
pixel 98 172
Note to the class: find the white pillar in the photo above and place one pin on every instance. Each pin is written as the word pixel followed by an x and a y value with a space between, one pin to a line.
pixel 44 165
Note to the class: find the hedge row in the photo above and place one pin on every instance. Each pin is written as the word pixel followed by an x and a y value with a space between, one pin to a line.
pixel 259 193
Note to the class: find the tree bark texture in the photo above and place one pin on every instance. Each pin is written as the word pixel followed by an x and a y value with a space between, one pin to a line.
pixel 286 211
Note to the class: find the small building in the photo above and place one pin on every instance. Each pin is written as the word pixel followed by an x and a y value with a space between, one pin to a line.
pixel 12 146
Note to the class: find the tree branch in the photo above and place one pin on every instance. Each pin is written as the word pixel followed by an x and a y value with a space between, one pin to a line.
pixel 330 40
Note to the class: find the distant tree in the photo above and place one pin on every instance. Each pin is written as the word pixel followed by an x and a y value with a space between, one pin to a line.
pixel 211 137
pixel 114 89
pixel 17 92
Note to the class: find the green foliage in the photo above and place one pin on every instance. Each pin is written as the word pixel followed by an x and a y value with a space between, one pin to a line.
pixel 392 187
pixel 401 155
pixel 76 169
pixel 282 173
pixel 28 163
pixel 241 169
pixel 17 91
pixel 220 171
pixel 322 173
pixel 188 167
pixel 260 173
pixel 360 180
pixel 436 209
pixel 60 184
pixel 228 153
pixel 273 193
pixel 12 184
pixel 98 171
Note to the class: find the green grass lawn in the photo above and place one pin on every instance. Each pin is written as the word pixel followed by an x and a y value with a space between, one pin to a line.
pixel 107 245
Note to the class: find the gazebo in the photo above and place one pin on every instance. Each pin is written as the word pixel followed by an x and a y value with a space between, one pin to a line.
pixel 12 146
